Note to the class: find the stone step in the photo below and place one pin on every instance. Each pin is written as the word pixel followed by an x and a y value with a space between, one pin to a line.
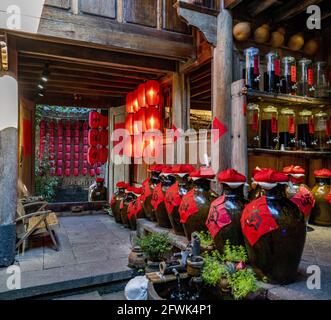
pixel 85 296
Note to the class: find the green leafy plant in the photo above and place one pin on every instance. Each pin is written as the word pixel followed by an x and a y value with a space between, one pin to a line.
pixel 234 253
pixel 212 270
pixel 155 245
pixel 242 283
pixel 205 238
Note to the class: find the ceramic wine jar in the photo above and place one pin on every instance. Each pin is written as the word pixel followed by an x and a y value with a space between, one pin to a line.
pixel 321 213
pixel 129 196
pixel 135 212
pixel 224 217
pixel 99 192
pixel 116 201
pixel 274 231
pixel 162 217
pixel 148 188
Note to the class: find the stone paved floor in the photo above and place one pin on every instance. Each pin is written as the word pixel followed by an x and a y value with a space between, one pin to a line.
pixel 90 246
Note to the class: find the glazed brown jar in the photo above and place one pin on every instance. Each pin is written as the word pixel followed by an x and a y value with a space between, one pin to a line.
pixel 135 212
pixel 129 196
pixel 116 201
pixel 195 205
pixel 99 192
pixel 225 212
pixel 147 192
pixel 321 213
pixel 274 232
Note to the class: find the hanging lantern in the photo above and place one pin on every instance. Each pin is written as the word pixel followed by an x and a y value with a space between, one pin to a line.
pixel 85 156
pixel 76 133
pixel 129 103
pixel 68 164
pixel 103 155
pixel 92 156
pixel 98 171
pixel 76 149
pixel 93 137
pixel 59 172
pixel 94 119
pixel 67 172
pixel 76 164
pixel 152 119
pixel 141 94
pixel 60 140
pixel 152 93
pixel 59 155
pixel 129 123
pixel 84 172
pixel 85 141
pixel 85 126
pixel 76 172
pixel 85 149
pixel 68 148
pixel 76 156
pixel 85 133
pixel 139 121
pixel 84 164
pixel 103 121
pixel 104 137
pixel 135 101
pixel 68 156
pixel 92 172
pixel 52 125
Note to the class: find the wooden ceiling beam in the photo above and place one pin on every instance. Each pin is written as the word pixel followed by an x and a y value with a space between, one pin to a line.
pixel 258 6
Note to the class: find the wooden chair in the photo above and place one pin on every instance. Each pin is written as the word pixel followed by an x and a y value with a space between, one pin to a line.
pixel 40 221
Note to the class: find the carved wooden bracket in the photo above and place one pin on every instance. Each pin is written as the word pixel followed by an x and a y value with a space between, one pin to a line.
pixel 202 18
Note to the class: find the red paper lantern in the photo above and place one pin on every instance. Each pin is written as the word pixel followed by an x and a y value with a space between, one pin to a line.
pixel 68 140
pixel 76 133
pixel 98 171
pixel 85 133
pixel 85 149
pixel 51 125
pixel 76 156
pixel 93 137
pixel 59 172
pixel 152 88
pixel 84 172
pixel 59 155
pixel 42 133
pixel 152 119
pixel 67 172
pixel 141 94
pixel 139 121
pixel 85 156
pixel 103 155
pixel 51 149
pixel 42 124
pixel 76 172
pixel 52 164
pixel 51 157
pixel 104 137
pixel 76 140
pixel 85 141
pixel 77 125
pixel 68 164
pixel 94 119
pixel 85 126
pixel 129 102
pixel 104 121
pixel 51 132
pixel 68 126
pixel 76 164
pixel 51 140
pixel 84 164
pixel 59 163
pixel 129 123
pixel 60 140
pixel 76 149
pixel 135 101
pixel 68 157
pixel 92 172
pixel 68 133
pixel 60 147
pixel 92 156
pixel 68 148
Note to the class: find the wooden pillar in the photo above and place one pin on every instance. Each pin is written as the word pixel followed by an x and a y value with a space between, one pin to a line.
pixel 8 158
pixel 221 85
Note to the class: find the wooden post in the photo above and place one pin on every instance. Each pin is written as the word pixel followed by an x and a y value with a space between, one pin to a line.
pixel 8 158
pixel 239 129
pixel 221 84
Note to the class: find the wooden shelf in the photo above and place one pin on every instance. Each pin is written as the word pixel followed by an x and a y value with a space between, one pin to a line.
pixel 286 99
pixel 299 153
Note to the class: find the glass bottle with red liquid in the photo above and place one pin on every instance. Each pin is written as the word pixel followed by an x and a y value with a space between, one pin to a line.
pixel 252 68
pixel 287 137
pixel 305 130
pixel 305 78
pixel 289 76
pixel 272 74
pixel 269 128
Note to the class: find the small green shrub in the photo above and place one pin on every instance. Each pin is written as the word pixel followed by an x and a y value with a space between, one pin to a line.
pixel 205 238
pixel 212 271
pixel 242 283
pixel 155 245
pixel 234 253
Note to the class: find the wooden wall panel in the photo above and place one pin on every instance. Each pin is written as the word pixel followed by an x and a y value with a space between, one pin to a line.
pixel 103 8
pixel 133 12
pixel 171 20
pixel 63 4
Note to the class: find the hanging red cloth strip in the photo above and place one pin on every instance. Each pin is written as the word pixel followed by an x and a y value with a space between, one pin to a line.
pixel 146 190
pixel 304 200
pixel 257 220
pixel 172 198
pixel 218 217
pixel 157 197
pixel 187 207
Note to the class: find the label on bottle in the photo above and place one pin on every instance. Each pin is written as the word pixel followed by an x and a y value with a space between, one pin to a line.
pixel 277 67
pixel 256 65
pixel 311 126
pixel 293 74
pixel 255 124
pixel 274 125
pixel 291 127
pixel 310 77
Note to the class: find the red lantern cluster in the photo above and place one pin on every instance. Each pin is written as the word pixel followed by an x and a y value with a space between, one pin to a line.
pixel 143 114
pixel 97 142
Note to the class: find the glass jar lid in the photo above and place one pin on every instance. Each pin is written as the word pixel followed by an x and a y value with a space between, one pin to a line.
pixel 305 113
pixel 287 111
pixel 253 107
pixel 270 109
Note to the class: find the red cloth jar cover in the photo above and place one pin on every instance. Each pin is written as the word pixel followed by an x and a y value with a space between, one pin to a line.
pixel 146 190
pixel 121 185
pixel 231 175
pixel 134 207
pixel 187 207
pixel 182 168
pixel 304 199
pixel 156 167
pixel 322 173
pixel 93 137
pixel 172 198
pixel 92 156
pixel 167 169
pixel 203 173
pixel 218 217
pixel 270 176
pixel 157 197
pixel 294 170
pixel 257 220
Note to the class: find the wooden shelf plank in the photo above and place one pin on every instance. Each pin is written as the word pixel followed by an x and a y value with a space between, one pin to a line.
pixel 297 153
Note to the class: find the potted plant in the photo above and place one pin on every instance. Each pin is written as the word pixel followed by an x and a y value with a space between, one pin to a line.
pixel 206 241
pixel 155 246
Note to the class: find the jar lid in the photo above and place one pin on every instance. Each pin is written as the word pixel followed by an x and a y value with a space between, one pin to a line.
pixel 288 59
pixel 270 109
pixel 305 113
pixel 321 114
pixel 253 106
pixel 287 111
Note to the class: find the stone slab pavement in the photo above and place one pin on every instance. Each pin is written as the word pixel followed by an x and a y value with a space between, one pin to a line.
pixel 93 250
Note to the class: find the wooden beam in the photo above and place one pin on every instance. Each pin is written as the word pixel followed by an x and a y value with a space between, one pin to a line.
pixel 72 53
pixel 230 4
pixel 292 8
pixel 258 6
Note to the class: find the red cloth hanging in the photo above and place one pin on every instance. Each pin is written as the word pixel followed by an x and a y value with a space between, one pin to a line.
pixel 172 198
pixel 157 197
pixel 257 220
pixel 218 217
pixel 187 207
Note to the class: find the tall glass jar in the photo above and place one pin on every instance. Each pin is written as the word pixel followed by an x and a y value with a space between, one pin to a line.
pixel 253 125
pixel 305 129
pixel 321 131
pixel 252 68
pixel 321 80
pixel 289 75
pixel 287 129
pixel 305 78
pixel 269 128
pixel 272 74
